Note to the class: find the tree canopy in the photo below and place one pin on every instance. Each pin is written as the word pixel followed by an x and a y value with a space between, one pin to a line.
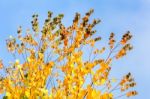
pixel 54 63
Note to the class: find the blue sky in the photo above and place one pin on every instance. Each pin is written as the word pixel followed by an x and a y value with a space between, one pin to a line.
pixel 117 16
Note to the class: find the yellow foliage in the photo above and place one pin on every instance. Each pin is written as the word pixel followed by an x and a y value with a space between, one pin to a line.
pixel 55 65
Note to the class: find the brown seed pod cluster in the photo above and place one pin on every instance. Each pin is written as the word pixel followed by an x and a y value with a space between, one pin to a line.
pixel 35 23
pixel 127 82
pixel 131 93
pixel 10 43
pixel 125 38
pixel 76 19
pixel 111 40
pixel 124 51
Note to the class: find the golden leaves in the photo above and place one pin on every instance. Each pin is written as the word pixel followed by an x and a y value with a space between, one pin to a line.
pixel 55 64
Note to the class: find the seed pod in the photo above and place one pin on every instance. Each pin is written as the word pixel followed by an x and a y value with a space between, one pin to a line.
pixel 126 37
pixel 111 40
pixel 131 93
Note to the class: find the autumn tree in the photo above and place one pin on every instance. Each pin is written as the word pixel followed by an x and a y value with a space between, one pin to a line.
pixel 54 62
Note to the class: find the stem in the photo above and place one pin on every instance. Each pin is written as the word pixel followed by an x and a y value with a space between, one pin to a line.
pixel 111 51
pixel 87 91
pixel 120 96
